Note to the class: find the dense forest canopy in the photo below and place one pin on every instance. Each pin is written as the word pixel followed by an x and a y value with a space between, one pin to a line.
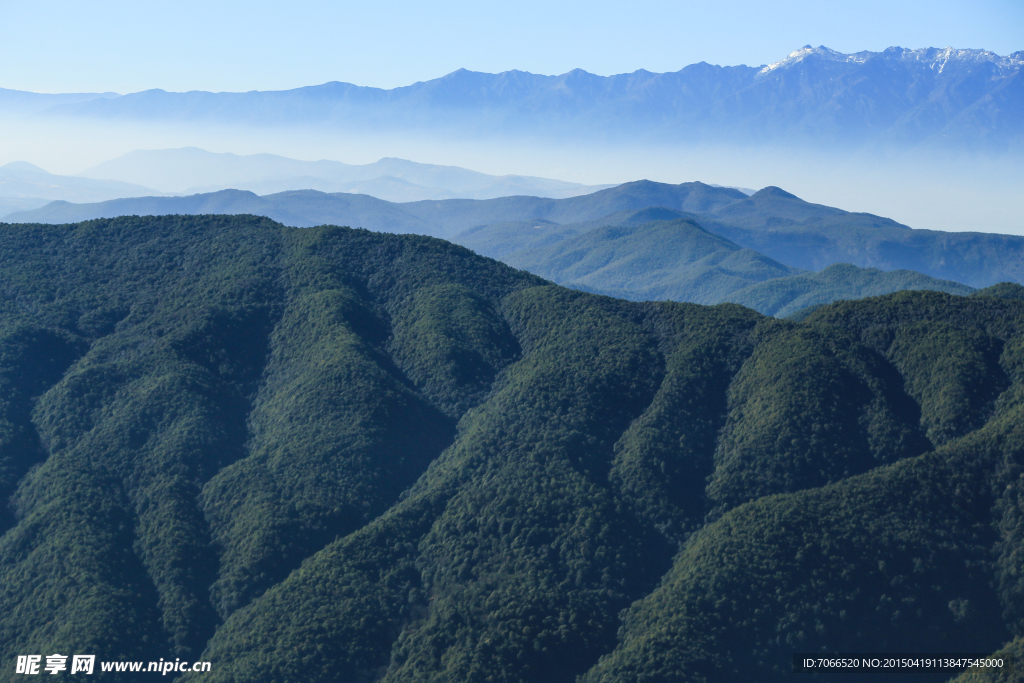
pixel 330 454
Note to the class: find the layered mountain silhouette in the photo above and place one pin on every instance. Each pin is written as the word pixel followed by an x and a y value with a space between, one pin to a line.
pixel 946 98
pixel 679 260
pixel 444 218
pixel 645 240
pixel 190 170
pixel 324 454
pixel 25 186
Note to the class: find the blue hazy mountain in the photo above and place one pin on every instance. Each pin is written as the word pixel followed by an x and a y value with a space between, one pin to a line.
pixel 663 254
pixel 19 101
pixel 190 170
pixel 936 97
pixel 443 218
pixel 24 186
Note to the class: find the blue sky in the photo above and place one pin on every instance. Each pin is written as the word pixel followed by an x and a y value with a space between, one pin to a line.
pixel 125 46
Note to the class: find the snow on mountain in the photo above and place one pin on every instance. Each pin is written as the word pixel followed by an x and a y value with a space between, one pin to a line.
pixel 930 57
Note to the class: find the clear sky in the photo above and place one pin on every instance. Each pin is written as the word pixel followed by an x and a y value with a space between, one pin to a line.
pixel 130 45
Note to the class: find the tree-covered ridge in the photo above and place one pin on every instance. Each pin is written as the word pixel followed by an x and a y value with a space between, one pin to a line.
pixel 675 260
pixel 194 401
pixel 660 253
pixel 785 296
pixel 330 454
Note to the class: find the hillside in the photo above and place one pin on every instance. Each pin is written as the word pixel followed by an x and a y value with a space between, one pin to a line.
pixel 332 454
pixel 499 240
pixel 787 295
pixel 809 236
pixel 660 254
pixel 675 260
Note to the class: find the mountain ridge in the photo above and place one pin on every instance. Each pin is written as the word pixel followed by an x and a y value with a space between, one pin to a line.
pixel 949 98
pixel 27 186
pixel 772 222
pixel 191 170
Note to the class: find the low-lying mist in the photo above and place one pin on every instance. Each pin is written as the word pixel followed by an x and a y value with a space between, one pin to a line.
pixel 923 189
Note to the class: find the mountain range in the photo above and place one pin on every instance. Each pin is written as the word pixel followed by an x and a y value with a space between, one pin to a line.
pixel 24 186
pixel 440 218
pixel 190 170
pixel 938 98
pixel 324 454
pixel 633 257
pixel 646 240
pixel 780 226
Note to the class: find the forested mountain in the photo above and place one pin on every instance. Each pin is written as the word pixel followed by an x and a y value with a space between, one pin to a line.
pixel 789 230
pixel 899 97
pixel 782 226
pixel 676 260
pixel 662 254
pixel 331 454
pixel 772 222
pixel 785 296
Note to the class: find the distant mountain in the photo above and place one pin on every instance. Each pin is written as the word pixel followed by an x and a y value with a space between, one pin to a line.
pixel 19 101
pixel 902 97
pixel 774 223
pixel 443 218
pixel 192 170
pixel 10 205
pixel 20 180
pixel 675 260
pixel 660 254
pixel 500 240
pixel 810 236
pixel 302 208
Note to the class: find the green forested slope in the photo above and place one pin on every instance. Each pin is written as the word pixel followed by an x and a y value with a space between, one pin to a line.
pixel 676 260
pixel 330 454
pixel 787 295
pixel 658 253
pixel 803 235
pixel 895 560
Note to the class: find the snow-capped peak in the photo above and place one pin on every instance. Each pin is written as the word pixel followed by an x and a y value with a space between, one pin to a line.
pixel 934 58
pixel 821 51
